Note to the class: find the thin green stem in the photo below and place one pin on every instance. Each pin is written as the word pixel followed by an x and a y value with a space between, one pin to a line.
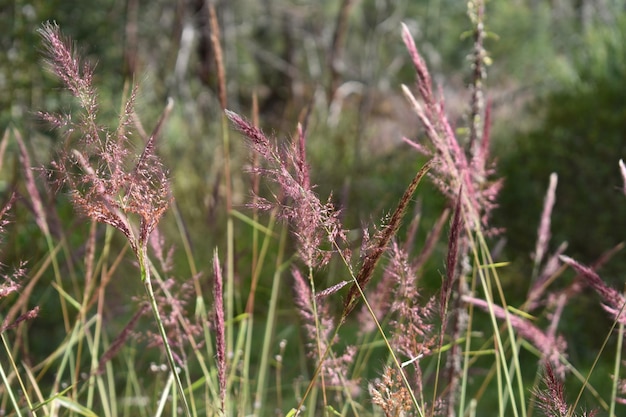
pixel 57 276
pixel 5 380
pixel 466 359
pixel 394 358
pixel 142 256
pixel 618 362
pixel 261 388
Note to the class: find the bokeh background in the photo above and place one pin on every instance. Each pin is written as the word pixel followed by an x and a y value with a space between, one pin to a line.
pixel 556 85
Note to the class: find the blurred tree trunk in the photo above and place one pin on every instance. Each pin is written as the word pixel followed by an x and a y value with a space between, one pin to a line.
pixel 130 41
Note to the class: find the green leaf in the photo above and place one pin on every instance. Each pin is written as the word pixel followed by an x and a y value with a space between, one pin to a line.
pixel 74 406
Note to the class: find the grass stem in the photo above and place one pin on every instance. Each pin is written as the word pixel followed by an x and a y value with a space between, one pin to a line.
pixel 147 281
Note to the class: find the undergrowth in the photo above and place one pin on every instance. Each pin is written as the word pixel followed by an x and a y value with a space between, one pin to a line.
pixel 305 317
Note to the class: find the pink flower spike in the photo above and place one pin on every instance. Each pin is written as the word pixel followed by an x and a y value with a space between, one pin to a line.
pixel 419 148
pixel 543 234
pixel 551 347
pixel 614 300
pixel 220 340
pixel 31 187
pixel 424 80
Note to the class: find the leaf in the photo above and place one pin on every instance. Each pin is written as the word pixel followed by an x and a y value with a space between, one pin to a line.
pixel 74 406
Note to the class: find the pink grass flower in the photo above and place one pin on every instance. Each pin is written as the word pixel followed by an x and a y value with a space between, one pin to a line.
pixel 107 182
pixel 220 326
pixel 451 169
pixel 552 347
pixel 451 260
pixel 319 325
pixel 614 301
pixel 31 187
pixel 9 283
pixel 543 233
pixel 316 225
pixel 320 331
pixel 412 318
pixel 551 400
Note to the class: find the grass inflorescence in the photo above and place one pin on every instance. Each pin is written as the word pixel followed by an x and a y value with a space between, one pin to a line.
pixel 310 315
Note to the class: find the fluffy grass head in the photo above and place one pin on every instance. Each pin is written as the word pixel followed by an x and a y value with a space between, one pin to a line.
pixel 108 182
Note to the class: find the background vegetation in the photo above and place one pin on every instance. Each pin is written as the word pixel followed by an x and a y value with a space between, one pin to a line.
pixel 555 86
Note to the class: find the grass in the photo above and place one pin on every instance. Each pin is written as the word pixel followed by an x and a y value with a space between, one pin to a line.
pixel 299 315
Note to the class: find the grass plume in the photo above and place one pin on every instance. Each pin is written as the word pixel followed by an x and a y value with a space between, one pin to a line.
pixel 107 182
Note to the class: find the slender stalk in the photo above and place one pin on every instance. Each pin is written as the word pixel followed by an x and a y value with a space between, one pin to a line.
pixel 5 381
pixel 476 125
pixel 319 336
pixel 270 323
pixel 394 358
pixel 142 256
pixel 618 362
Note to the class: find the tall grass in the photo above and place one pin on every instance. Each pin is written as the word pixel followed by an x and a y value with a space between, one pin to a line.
pixel 327 320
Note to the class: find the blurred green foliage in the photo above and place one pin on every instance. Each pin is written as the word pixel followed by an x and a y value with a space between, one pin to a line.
pixel 580 135
pixel 570 67
pixel 279 49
